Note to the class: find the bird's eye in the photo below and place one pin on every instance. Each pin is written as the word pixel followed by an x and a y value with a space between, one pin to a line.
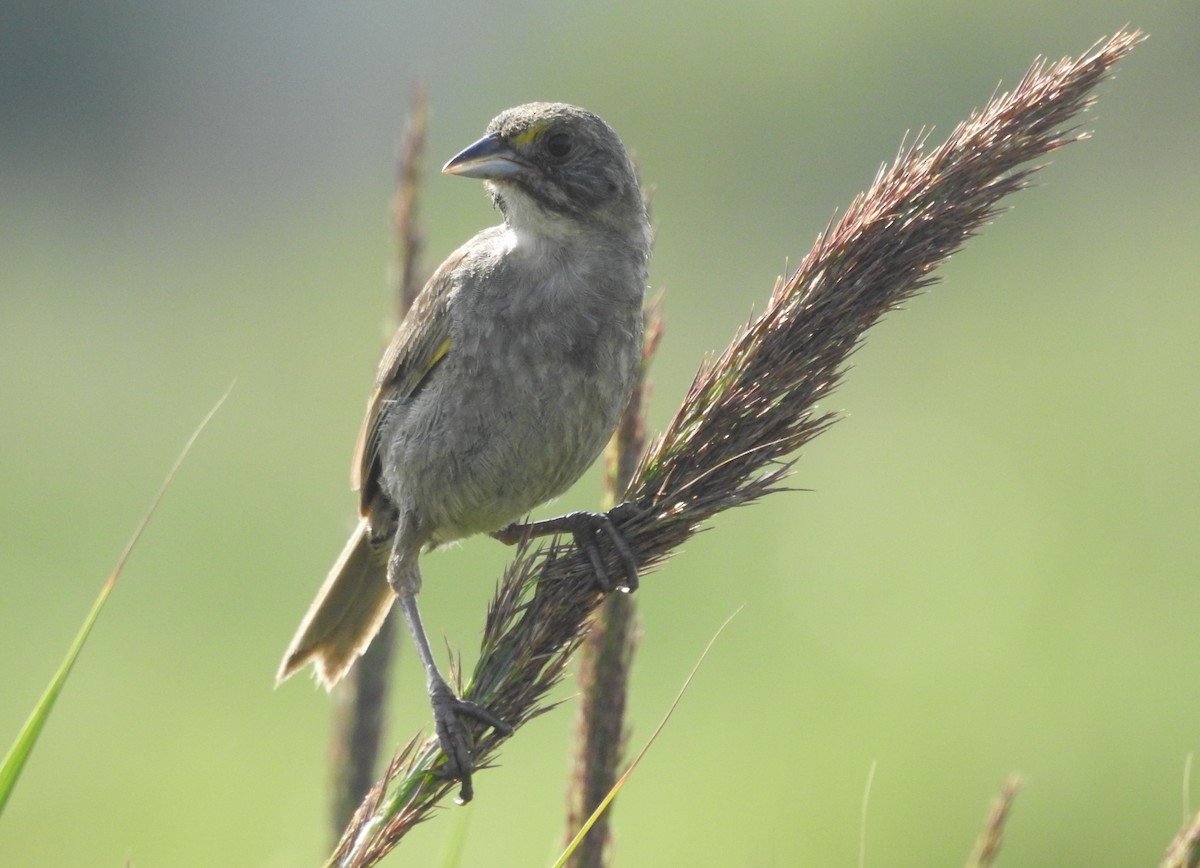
pixel 559 145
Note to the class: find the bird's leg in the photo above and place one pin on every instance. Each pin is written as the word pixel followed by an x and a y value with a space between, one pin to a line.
pixel 585 527
pixel 448 708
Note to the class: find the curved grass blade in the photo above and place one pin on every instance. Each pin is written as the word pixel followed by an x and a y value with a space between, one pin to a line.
pixel 18 754
pixel 612 794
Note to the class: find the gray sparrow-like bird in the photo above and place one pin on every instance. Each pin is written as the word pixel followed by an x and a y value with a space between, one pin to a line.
pixel 501 386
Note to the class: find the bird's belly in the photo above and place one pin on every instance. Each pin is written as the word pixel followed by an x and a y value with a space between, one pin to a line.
pixel 502 443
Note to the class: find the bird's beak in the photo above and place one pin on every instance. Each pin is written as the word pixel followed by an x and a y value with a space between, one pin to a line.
pixel 489 158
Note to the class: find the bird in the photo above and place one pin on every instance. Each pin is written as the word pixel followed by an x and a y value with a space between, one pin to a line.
pixel 500 387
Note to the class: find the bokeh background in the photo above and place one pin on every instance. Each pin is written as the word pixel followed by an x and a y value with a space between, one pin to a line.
pixel 993 568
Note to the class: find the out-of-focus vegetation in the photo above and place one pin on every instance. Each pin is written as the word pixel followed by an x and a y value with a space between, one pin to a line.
pixel 994 569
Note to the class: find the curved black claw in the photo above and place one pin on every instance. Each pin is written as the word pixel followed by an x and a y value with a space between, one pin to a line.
pixel 452 735
pixel 584 527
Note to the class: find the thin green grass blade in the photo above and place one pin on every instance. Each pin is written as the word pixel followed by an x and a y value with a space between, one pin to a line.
pixel 612 794
pixel 19 753
pixel 14 762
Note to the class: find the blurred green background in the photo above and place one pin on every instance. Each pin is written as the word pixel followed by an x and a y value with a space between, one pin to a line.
pixel 994 567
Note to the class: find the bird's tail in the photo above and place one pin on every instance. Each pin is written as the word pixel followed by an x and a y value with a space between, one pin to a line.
pixel 345 616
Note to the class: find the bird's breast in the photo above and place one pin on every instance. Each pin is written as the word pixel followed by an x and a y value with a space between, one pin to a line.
pixel 537 376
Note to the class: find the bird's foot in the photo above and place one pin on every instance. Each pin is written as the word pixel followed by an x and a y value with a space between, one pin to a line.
pixel 585 528
pixel 448 711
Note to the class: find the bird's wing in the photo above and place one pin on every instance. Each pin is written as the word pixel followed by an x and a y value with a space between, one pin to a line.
pixel 422 341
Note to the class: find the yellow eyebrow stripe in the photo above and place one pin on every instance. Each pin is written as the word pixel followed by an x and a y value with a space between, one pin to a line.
pixel 523 139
